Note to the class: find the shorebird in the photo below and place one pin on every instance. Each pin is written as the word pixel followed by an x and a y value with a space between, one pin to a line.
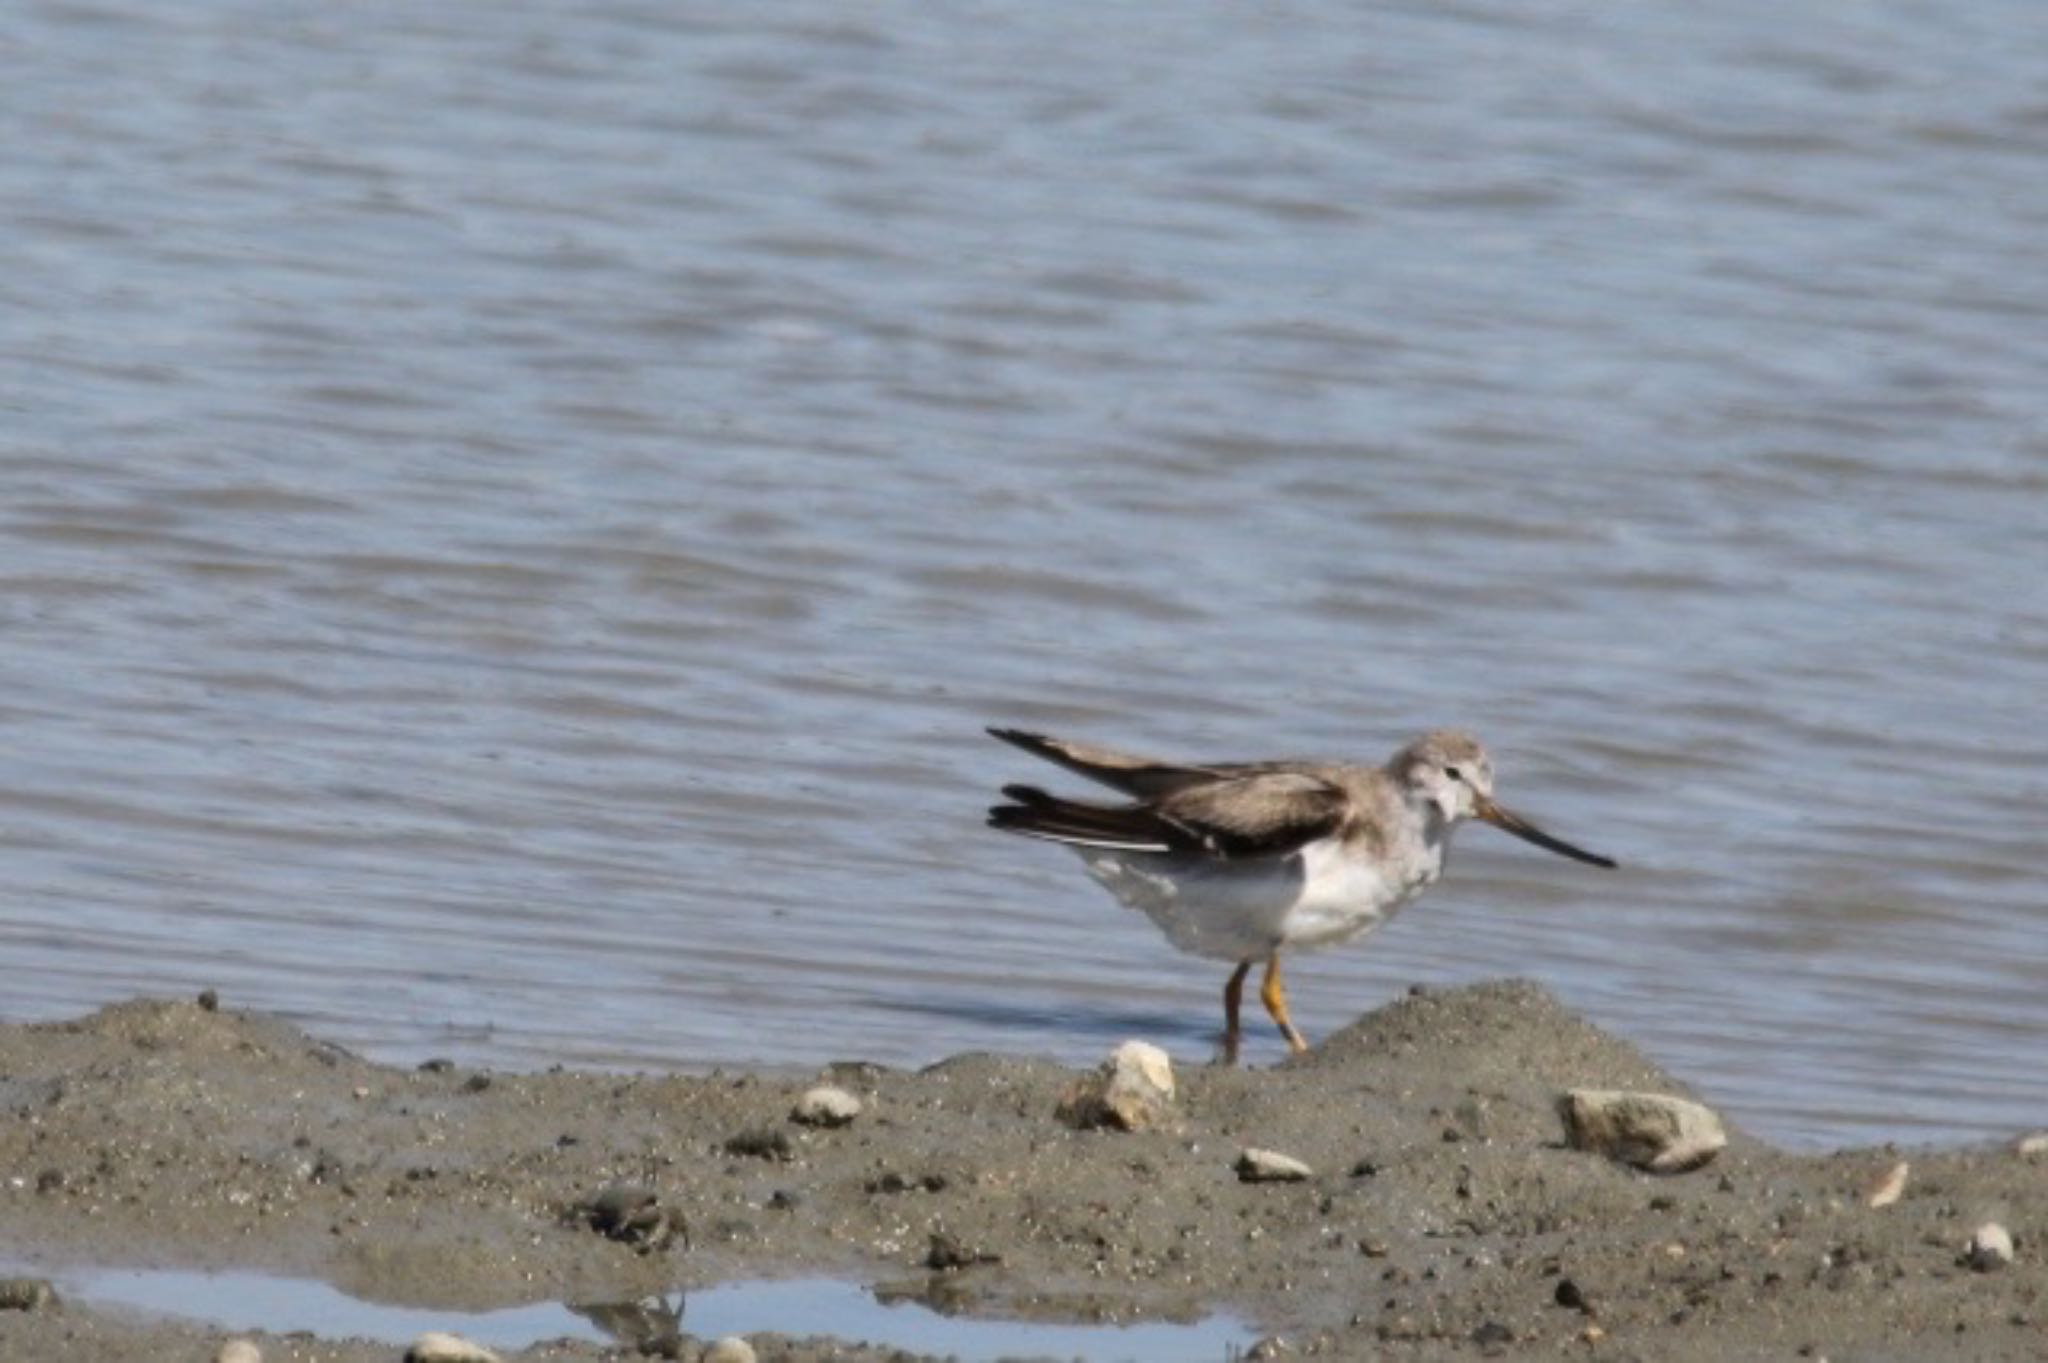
pixel 1239 861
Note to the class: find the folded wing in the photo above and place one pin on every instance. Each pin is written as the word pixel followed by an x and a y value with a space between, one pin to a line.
pixel 1230 818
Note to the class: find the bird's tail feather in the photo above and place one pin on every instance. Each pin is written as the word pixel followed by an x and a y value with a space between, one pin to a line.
pixel 1037 814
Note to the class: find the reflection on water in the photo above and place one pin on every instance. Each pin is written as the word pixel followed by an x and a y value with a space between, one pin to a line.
pixel 241 1302
pixel 512 520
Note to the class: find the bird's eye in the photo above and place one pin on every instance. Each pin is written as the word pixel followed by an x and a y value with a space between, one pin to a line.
pixel 1454 773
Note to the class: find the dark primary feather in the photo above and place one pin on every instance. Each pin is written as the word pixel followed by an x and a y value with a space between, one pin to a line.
pixel 1229 817
pixel 1039 815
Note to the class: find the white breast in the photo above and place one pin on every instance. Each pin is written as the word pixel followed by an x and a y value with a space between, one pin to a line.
pixel 1240 911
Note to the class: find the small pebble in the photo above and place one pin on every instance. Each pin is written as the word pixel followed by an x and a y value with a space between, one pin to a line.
pixel 1889 1186
pixel 2033 1146
pixel 26 1294
pixel 1990 1247
pixel 825 1106
pixel 209 1000
pixel 730 1349
pixel 435 1347
pixel 1570 1294
pixel 238 1351
pixel 1270 1166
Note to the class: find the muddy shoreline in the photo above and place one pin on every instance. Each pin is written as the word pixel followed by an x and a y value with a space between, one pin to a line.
pixel 1443 1217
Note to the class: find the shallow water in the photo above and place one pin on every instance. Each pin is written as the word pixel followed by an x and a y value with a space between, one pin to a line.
pixel 242 1302
pixel 512 517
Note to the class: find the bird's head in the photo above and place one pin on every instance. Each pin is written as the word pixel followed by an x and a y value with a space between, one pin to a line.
pixel 1449 772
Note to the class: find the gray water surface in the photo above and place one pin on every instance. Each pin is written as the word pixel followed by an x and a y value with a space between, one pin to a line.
pixel 512 516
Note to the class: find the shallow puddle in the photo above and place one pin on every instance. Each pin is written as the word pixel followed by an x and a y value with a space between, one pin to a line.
pixel 804 1306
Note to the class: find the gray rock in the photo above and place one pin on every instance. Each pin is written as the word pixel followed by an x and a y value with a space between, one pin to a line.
pixel 1270 1166
pixel 731 1349
pixel 1652 1131
pixel 1132 1091
pixel 238 1351
pixel 1990 1248
pixel 435 1347
pixel 825 1106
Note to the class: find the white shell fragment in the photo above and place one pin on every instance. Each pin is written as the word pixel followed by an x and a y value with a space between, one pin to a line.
pixel 436 1347
pixel 1270 1166
pixel 1990 1247
pixel 1889 1187
pixel 1132 1090
pixel 825 1106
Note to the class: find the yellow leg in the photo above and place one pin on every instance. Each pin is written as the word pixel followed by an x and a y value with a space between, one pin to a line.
pixel 1274 995
pixel 1233 997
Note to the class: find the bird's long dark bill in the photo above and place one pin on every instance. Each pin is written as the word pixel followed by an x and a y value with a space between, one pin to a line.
pixel 1528 832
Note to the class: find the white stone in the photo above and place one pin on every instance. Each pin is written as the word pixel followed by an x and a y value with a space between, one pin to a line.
pixel 826 1106
pixel 1133 1090
pixel 1653 1131
pixel 238 1351
pixel 1990 1247
pixel 1270 1166
pixel 436 1347
pixel 2033 1146
pixel 730 1349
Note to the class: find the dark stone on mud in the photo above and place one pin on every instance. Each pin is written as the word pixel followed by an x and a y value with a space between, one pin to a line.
pixel 209 1000
pixel 1569 1295
pixel 947 1252
pixel 1492 1337
pixel 26 1294
pixel 633 1215
pixel 439 1064
pixel 761 1143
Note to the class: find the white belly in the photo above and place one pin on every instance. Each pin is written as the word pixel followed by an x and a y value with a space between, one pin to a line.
pixel 1241 911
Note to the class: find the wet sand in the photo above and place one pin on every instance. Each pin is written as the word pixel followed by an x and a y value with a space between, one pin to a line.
pixel 1444 1217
